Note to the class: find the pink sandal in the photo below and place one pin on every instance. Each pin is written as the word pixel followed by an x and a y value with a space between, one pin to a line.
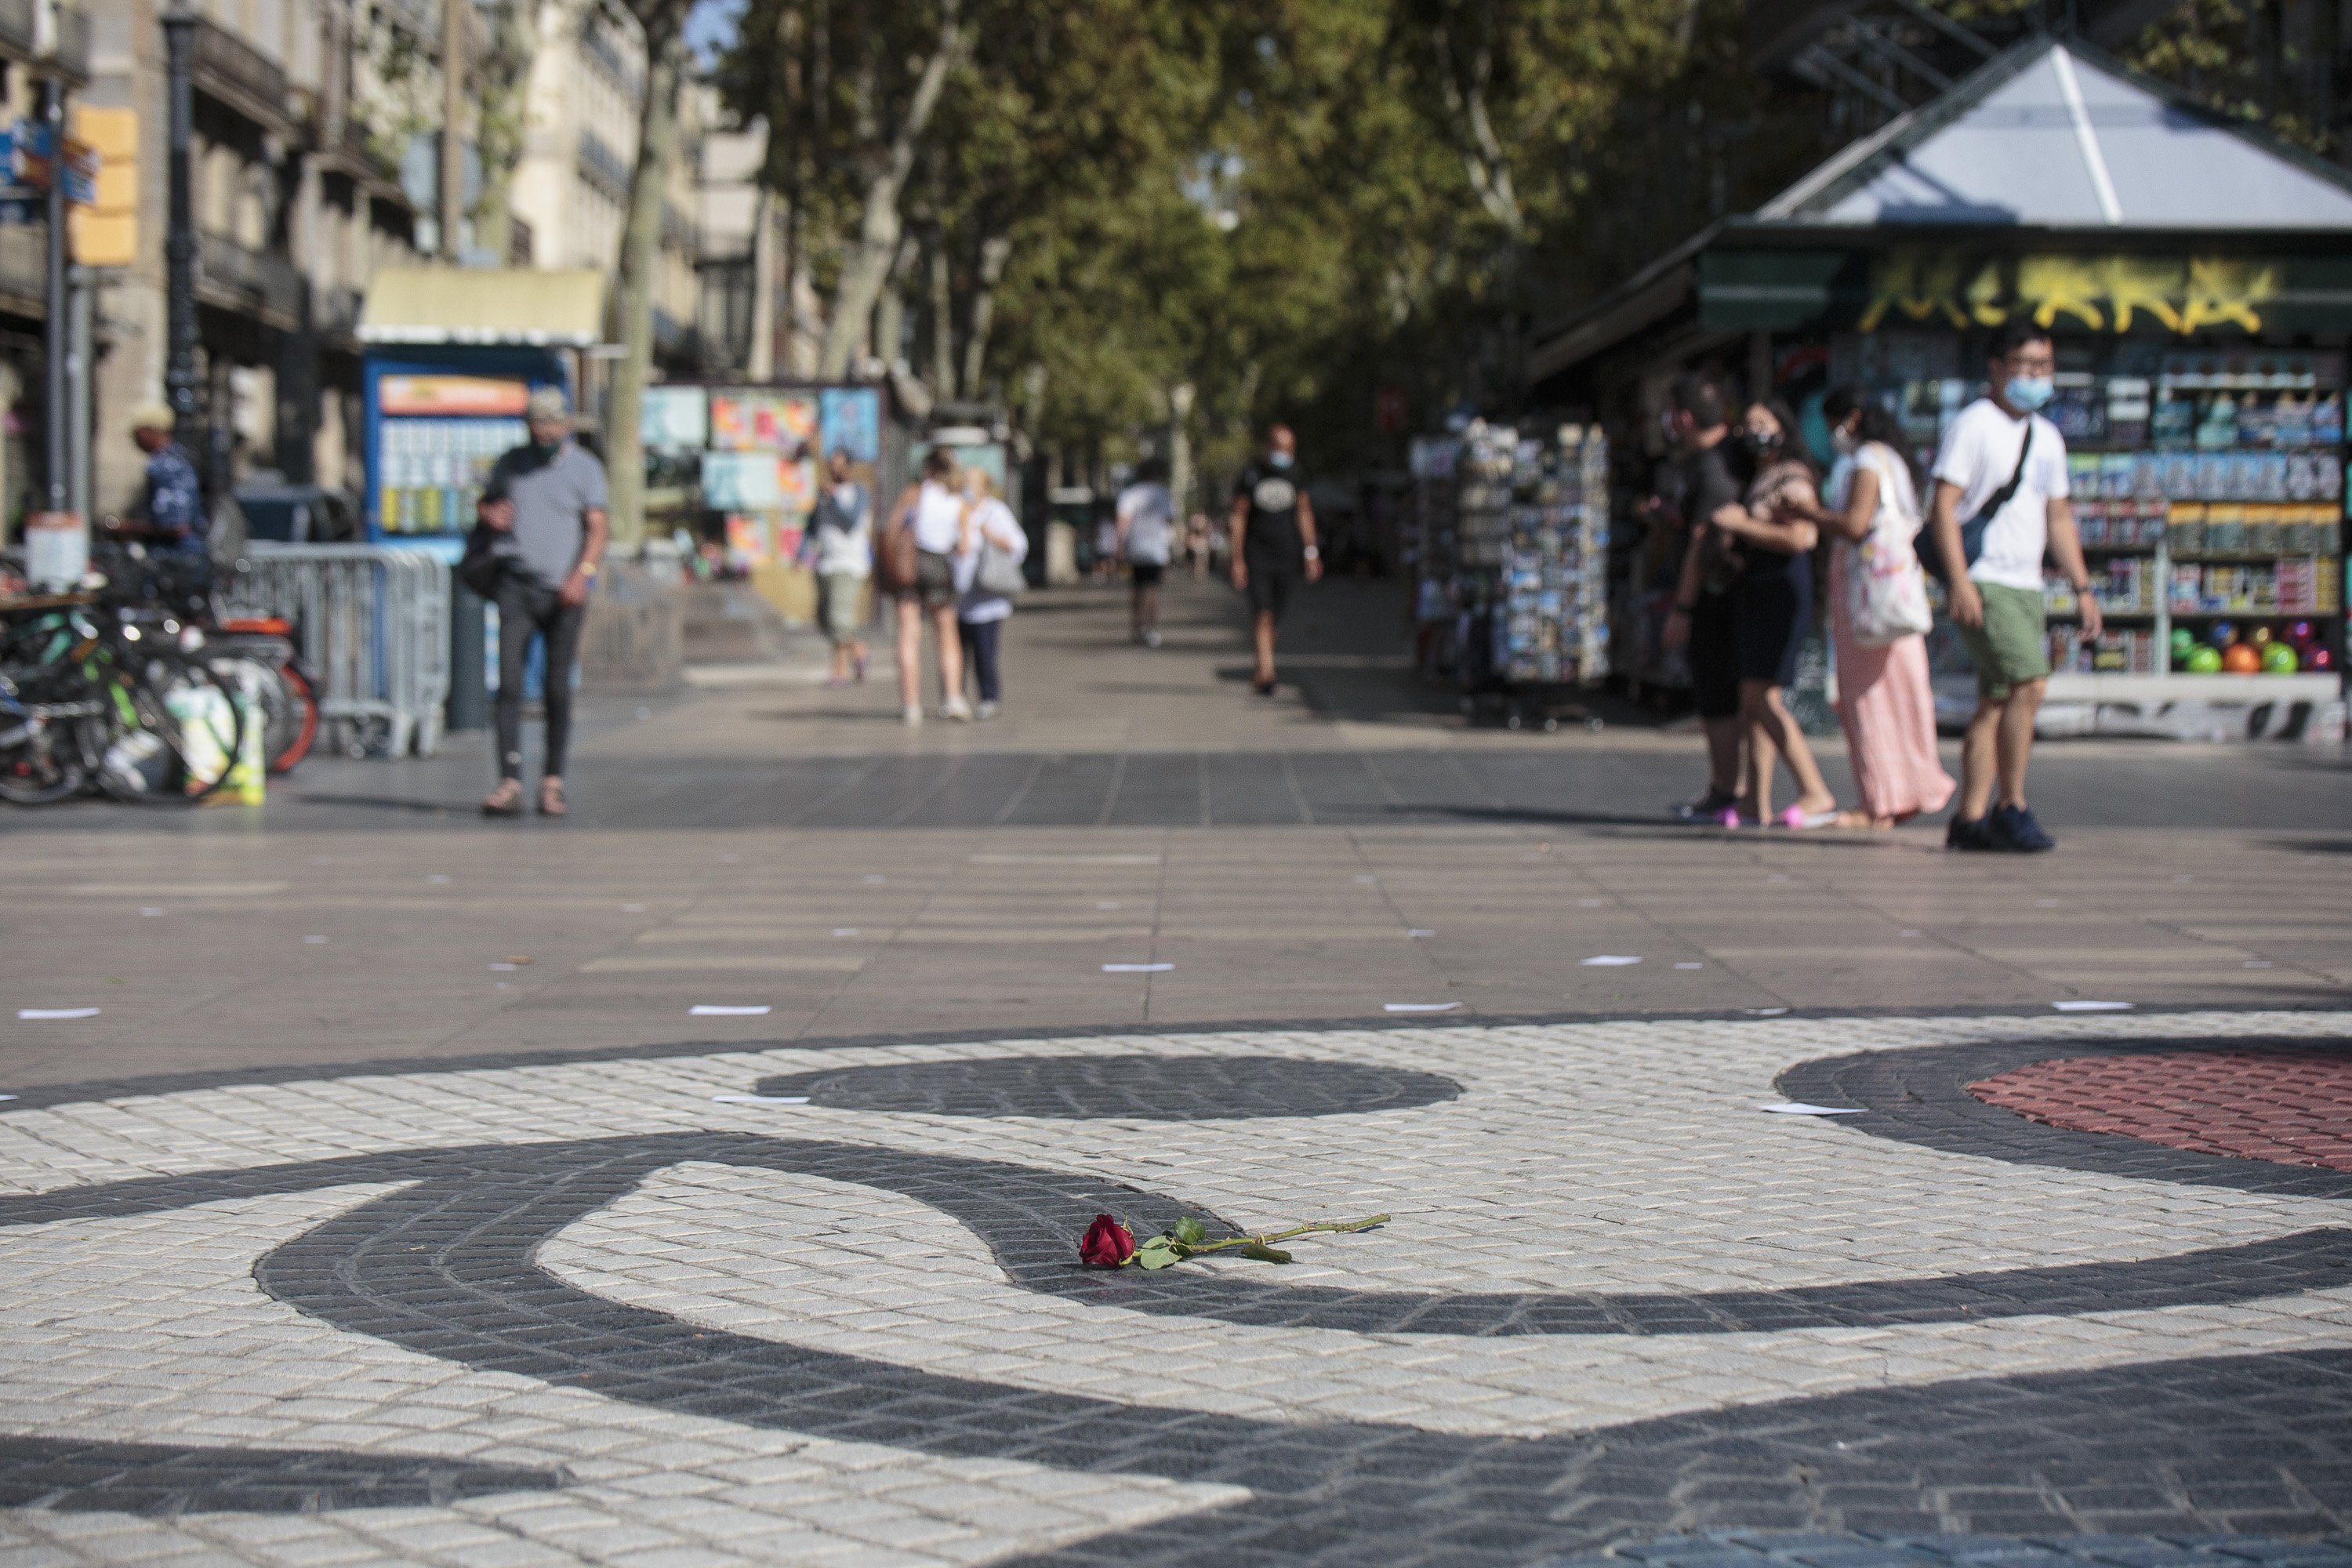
pixel 1797 819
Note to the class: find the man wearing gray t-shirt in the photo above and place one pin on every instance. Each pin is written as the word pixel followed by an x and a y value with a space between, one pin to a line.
pixel 546 500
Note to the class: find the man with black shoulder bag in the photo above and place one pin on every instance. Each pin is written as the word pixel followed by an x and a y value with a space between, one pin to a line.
pixel 1999 505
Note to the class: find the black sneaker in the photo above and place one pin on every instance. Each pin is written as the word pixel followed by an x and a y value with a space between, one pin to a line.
pixel 2012 827
pixel 1960 835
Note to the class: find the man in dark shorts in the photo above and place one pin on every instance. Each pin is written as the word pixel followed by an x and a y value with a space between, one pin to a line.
pixel 1701 622
pixel 1274 544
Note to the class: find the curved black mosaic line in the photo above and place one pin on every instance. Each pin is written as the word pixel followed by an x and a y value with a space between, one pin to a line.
pixel 1029 1218
pixel 1920 1095
pixel 74 1474
pixel 2245 1445
pixel 1128 1087
pixel 2240 1444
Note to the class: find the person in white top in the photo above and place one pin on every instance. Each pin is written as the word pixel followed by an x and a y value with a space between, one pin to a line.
pixel 990 532
pixel 1146 530
pixel 840 546
pixel 933 512
pixel 2000 504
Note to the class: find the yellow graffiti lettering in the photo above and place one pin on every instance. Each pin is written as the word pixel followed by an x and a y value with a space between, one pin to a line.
pixel 2055 286
pixel 1984 297
pixel 2134 283
pixel 2222 290
pixel 1919 286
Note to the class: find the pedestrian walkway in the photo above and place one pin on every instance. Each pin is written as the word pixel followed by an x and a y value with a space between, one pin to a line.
pixel 697 1181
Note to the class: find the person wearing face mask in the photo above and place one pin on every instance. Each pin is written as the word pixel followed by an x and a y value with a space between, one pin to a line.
pixel 1773 610
pixel 545 502
pixel 1999 505
pixel 1274 544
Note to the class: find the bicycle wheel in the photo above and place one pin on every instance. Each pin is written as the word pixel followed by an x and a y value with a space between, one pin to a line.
pixel 184 742
pixel 305 729
pixel 42 757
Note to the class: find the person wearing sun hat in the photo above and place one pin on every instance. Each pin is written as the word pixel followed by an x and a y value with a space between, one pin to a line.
pixel 171 517
pixel 546 500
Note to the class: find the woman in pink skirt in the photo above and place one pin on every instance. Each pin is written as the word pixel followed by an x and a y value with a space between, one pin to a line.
pixel 1878 614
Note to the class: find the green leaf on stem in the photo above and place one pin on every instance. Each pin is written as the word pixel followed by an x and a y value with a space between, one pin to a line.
pixel 1158 1253
pixel 1263 1253
pixel 1190 1231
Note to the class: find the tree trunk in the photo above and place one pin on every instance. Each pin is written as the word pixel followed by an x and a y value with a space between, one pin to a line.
pixel 633 311
pixel 994 252
pixel 867 271
pixel 943 381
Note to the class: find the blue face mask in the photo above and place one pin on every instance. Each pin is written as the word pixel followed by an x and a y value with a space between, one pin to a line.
pixel 1277 460
pixel 2028 392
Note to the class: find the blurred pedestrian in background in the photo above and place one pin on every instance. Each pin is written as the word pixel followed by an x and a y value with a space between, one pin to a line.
pixel 1106 547
pixel 1878 614
pixel 1197 535
pixel 1147 528
pixel 988 568
pixel 933 514
pixel 546 501
pixel 1700 624
pixel 171 517
pixel 840 546
pixel 1274 544
pixel 1773 610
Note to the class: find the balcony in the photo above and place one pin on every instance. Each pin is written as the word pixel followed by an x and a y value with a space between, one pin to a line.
pixel 603 167
pixel 251 282
pixel 20 37
pixel 241 77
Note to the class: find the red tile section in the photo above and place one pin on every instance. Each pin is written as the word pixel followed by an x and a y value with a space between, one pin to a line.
pixel 2293 1107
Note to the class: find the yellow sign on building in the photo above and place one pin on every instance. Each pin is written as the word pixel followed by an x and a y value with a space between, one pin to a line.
pixel 106 231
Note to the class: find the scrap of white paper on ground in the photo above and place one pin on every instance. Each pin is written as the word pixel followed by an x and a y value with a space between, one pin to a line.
pixel 1136 968
pixel 759 1100
pixel 1419 1006
pixel 7 1096
pixel 1690 966
pixel 1421 931
pixel 1609 961
pixel 2091 1006
pixel 876 878
pixel 502 968
pixel 705 1010
pixel 43 1014
pixel 151 912
pixel 1797 1107
pixel 1766 1012
pixel 845 930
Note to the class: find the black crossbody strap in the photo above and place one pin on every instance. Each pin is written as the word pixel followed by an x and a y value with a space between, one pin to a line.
pixel 2007 492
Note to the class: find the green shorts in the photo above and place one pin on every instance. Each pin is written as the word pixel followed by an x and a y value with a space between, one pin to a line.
pixel 2013 647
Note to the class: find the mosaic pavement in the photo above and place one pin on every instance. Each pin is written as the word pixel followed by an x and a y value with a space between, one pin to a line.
pixel 486 1314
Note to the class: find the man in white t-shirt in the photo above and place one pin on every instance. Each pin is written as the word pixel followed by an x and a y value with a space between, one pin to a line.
pixel 1147 531
pixel 1999 503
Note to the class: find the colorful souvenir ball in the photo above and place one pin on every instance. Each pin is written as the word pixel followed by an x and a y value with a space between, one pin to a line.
pixel 2240 658
pixel 2280 659
pixel 2204 660
pixel 2223 634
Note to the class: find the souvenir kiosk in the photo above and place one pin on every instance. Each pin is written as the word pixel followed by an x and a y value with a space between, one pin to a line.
pixel 2195 278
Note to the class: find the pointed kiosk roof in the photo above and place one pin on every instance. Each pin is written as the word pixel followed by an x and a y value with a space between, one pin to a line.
pixel 2051 135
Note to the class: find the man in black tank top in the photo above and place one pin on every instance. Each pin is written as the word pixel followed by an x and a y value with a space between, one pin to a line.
pixel 1274 542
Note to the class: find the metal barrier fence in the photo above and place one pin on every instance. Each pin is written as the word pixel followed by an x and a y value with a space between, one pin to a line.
pixel 371 624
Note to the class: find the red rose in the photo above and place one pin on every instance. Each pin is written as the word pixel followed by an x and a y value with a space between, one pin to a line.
pixel 1105 1244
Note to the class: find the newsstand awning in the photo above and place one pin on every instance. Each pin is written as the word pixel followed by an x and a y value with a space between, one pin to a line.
pixel 2053 181
pixel 484 305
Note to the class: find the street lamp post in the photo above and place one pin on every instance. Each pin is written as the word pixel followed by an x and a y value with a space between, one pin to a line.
pixel 180 382
pixel 53 322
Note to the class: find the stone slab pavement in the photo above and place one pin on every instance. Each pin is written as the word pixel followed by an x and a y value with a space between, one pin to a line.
pixel 398 1203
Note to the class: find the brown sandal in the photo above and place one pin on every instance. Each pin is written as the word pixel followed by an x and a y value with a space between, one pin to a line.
pixel 551 798
pixel 504 801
